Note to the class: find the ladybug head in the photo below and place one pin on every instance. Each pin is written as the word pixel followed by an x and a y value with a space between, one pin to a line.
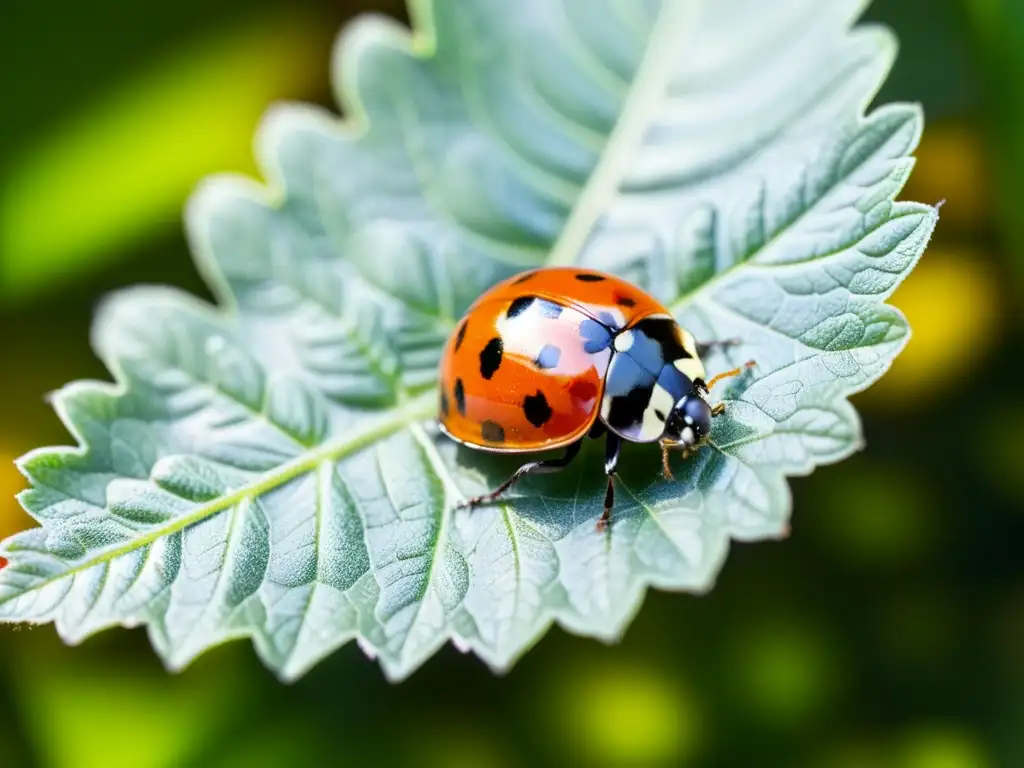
pixel 689 422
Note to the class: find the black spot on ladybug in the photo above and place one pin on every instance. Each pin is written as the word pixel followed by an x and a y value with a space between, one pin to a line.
pixel 460 397
pixel 519 306
pixel 660 414
pixel 461 335
pixel 625 301
pixel 548 357
pixel 444 405
pixel 596 337
pixel 665 333
pixel 490 357
pixel 523 278
pixel 628 410
pixel 589 277
pixel 492 432
pixel 537 409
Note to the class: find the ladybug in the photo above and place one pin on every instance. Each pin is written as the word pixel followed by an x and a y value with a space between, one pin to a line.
pixel 552 356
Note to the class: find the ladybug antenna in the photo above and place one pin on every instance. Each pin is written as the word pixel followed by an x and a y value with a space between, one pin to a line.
pixel 730 374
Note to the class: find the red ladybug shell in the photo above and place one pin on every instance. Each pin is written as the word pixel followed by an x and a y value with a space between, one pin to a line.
pixel 524 369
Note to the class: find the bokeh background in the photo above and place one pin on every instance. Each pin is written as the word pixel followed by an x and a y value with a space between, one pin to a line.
pixel 886 632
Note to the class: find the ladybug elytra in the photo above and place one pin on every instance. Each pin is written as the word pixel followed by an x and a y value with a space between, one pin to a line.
pixel 552 356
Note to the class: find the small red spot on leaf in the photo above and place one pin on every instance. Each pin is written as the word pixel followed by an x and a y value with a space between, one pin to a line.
pixel 3 563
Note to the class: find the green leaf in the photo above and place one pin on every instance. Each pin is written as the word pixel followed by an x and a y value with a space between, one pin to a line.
pixel 270 469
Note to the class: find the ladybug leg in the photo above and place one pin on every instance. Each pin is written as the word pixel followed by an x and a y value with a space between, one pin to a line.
pixel 612 448
pixel 718 409
pixel 537 467
pixel 666 465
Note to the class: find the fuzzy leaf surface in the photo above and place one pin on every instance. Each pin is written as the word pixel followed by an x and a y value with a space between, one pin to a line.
pixel 268 468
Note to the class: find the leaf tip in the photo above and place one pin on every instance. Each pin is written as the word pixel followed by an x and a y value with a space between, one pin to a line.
pixel 50 397
pixel 366 33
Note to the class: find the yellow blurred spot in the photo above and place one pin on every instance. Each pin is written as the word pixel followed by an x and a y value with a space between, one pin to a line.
pixel 85 711
pixel 941 748
pixel 952 166
pixel 624 716
pixel 784 673
pixel 950 300
pixel 125 168
pixel 12 516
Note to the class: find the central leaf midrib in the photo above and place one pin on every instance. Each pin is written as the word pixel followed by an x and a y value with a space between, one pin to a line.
pixel 649 86
pixel 418 409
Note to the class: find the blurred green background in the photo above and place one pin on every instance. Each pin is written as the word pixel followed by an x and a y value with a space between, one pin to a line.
pixel 886 632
